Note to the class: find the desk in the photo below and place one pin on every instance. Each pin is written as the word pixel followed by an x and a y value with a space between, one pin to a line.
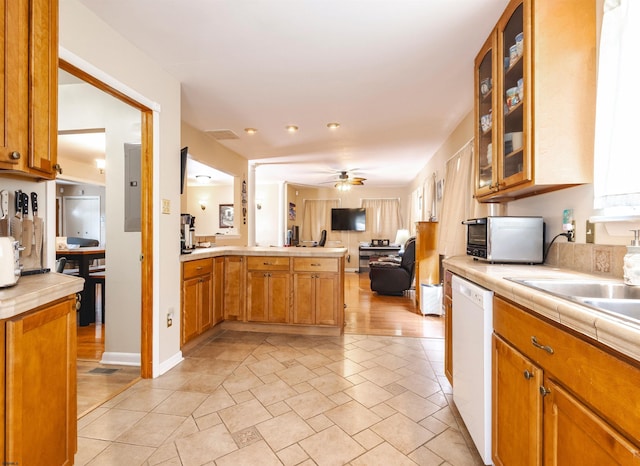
pixel 366 253
pixel 84 256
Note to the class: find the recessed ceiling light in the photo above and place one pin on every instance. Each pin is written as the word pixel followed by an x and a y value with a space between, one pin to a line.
pixel 291 128
pixel 250 130
pixel 333 125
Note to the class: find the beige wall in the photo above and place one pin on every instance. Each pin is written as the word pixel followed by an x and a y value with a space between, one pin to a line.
pixel 208 151
pixel 89 43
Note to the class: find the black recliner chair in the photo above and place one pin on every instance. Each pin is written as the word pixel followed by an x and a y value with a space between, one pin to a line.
pixel 393 278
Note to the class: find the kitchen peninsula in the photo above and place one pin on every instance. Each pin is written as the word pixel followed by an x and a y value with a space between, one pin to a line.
pixel 269 289
pixel 38 319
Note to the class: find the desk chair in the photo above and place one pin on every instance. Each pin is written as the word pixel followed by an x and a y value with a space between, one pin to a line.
pixel 323 239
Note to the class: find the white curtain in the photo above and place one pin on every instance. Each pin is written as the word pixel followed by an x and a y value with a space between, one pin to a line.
pixel 458 203
pixel 316 216
pixel 383 218
pixel 616 159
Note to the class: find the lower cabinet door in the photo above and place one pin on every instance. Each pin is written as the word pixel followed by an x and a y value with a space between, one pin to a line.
pixel 326 302
pixel 573 434
pixel 41 405
pixel 190 308
pixel 516 408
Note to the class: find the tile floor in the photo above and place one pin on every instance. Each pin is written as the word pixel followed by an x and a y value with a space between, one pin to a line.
pixel 245 398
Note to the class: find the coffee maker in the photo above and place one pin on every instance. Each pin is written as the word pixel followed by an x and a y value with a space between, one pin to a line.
pixel 187 233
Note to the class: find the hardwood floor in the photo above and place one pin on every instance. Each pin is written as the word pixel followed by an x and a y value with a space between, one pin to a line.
pixel 366 313
pixel 97 382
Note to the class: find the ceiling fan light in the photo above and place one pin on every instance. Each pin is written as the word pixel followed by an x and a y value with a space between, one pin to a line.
pixel 250 130
pixel 343 186
pixel 333 125
pixel 291 128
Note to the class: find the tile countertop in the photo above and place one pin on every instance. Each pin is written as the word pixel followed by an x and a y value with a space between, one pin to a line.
pixel 619 333
pixel 33 291
pixel 204 253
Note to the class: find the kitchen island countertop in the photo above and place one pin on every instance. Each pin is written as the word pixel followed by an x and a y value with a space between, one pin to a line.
pixel 33 291
pixel 619 333
pixel 215 251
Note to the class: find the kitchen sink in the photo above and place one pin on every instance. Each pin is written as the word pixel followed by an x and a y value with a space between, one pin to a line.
pixel 625 307
pixel 610 296
pixel 583 288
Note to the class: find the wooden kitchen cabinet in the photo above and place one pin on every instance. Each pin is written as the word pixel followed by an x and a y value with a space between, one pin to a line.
pixel 40 407
pixel 316 296
pixel 516 407
pixel 427 258
pixel 28 137
pixel 218 290
pixel 197 298
pixel 268 289
pixel 448 327
pixel 535 79
pixel 587 406
pixel 234 288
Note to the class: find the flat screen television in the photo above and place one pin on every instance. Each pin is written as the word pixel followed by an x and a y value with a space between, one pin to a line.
pixel 348 219
pixel 183 167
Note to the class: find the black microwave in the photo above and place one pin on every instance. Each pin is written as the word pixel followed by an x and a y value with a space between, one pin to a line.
pixel 506 239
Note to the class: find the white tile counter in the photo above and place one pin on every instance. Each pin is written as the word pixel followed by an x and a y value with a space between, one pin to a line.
pixel 216 251
pixel 619 333
pixel 33 291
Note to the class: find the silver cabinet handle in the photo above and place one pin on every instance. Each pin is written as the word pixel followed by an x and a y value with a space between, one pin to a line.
pixel 544 391
pixel 316 265
pixel 15 155
pixel 534 342
pixel 528 375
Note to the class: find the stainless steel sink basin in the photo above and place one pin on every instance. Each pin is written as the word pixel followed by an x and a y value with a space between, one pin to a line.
pixel 625 307
pixel 583 288
pixel 610 296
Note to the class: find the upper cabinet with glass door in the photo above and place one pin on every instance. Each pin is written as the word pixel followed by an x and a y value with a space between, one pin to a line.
pixel 544 100
pixel 485 128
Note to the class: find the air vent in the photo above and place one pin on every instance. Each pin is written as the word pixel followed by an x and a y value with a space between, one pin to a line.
pixel 221 134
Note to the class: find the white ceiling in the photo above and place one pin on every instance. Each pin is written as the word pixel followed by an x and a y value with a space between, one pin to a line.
pixel 396 74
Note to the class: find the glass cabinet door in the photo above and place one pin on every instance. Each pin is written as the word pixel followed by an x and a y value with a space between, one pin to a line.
pixel 513 166
pixel 485 130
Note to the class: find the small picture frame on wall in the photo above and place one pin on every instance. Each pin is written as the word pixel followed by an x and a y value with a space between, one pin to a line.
pixel 292 211
pixel 226 215
pixel 439 189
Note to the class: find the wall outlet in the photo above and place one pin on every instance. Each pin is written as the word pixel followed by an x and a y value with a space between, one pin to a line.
pixel 169 319
pixel 590 232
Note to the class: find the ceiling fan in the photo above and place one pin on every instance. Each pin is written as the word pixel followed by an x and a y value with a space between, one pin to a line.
pixel 344 181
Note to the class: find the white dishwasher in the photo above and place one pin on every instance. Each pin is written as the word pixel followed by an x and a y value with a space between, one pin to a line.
pixel 472 326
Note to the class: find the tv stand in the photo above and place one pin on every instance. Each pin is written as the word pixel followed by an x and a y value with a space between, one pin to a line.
pixel 366 253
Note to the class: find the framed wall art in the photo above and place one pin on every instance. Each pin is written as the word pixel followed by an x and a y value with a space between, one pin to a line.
pixel 226 215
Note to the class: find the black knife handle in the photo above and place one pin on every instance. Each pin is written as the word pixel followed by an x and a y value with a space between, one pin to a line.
pixel 25 204
pixel 18 202
pixel 34 203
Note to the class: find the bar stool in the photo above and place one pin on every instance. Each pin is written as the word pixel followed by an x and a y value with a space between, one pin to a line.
pixel 99 278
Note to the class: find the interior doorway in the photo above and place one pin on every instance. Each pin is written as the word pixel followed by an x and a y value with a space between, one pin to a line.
pixel 145 265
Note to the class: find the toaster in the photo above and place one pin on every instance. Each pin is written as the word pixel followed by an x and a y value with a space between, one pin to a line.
pixel 9 261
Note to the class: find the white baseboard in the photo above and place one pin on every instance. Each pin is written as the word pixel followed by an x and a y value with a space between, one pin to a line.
pixel 165 366
pixel 121 359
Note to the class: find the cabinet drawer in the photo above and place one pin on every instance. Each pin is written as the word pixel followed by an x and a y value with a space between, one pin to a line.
pixel 311 264
pixel 195 268
pixel 601 379
pixel 267 263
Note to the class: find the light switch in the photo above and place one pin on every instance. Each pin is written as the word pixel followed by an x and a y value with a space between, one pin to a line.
pixel 590 232
pixel 166 206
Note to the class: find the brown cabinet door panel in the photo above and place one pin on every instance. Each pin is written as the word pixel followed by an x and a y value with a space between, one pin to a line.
pixel 326 301
pixel 303 298
pixel 279 298
pixel 516 408
pixel 576 435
